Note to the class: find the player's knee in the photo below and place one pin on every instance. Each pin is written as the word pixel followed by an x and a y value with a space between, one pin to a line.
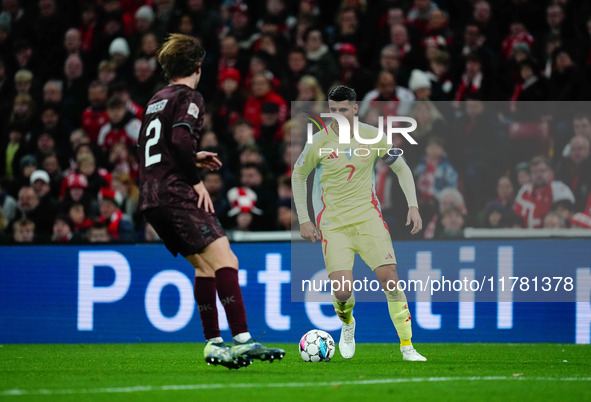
pixel 226 257
pixel 232 260
pixel 198 264
pixel 227 261
pixel 204 271
pixel 387 275
pixel 343 295
pixel 389 285
pixel 395 295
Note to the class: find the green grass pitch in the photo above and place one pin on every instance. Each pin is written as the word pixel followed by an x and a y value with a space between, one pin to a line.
pixel 176 372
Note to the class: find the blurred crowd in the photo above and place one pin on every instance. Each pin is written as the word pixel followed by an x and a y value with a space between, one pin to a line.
pixel 75 77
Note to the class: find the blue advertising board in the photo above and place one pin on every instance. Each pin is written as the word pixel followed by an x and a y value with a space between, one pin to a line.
pixel 140 293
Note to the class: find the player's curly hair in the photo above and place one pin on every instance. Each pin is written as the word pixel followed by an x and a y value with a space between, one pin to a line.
pixel 180 56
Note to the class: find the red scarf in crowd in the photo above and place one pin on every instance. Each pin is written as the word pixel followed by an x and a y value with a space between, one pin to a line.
pixel 580 220
pixel 426 182
pixel 468 86
pixel 113 223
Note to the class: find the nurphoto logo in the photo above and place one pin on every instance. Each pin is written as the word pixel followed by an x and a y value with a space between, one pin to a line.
pixel 392 124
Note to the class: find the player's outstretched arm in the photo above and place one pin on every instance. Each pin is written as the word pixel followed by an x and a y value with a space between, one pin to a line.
pixel 307 228
pixel 207 160
pixel 407 183
pixel 182 147
pixel 415 218
pixel 304 165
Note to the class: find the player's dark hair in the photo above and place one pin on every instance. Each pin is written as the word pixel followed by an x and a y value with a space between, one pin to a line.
pixel 343 93
pixel 180 56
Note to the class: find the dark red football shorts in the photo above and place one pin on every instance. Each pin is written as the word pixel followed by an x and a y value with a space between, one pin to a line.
pixel 186 231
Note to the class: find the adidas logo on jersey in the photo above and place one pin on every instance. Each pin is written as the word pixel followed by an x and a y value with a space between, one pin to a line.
pixel 389 256
pixel 333 155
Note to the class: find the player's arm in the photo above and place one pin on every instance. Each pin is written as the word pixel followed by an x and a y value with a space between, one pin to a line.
pixel 182 146
pixel 208 160
pixel 307 161
pixel 189 116
pixel 407 183
pixel 187 121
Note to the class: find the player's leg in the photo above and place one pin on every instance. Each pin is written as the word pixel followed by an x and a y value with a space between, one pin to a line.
pixel 222 260
pixel 180 235
pixel 339 257
pixel 188 232
pixel 224 263
pixel 343 300
pixel 216 351
pixel 205 295
pixel 375 247
pixel 397 304
pixel 398 309
pixel 180 231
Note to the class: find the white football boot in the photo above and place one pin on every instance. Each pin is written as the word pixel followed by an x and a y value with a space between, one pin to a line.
pixel 410 354
pixel 219 353
pixel 347 341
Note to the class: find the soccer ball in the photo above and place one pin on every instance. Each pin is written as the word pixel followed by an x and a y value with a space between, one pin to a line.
pixel 317 346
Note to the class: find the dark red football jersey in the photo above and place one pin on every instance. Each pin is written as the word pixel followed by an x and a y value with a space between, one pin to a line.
pixel 168 140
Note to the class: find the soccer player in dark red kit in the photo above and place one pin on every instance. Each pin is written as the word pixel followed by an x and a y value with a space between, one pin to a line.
pixel 175 202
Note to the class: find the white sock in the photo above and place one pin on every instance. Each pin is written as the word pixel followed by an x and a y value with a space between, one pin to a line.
pixel 217 339
pixel 242 337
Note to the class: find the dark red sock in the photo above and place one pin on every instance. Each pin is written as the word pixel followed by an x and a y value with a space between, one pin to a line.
pixel 231 297
pixel 205 297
